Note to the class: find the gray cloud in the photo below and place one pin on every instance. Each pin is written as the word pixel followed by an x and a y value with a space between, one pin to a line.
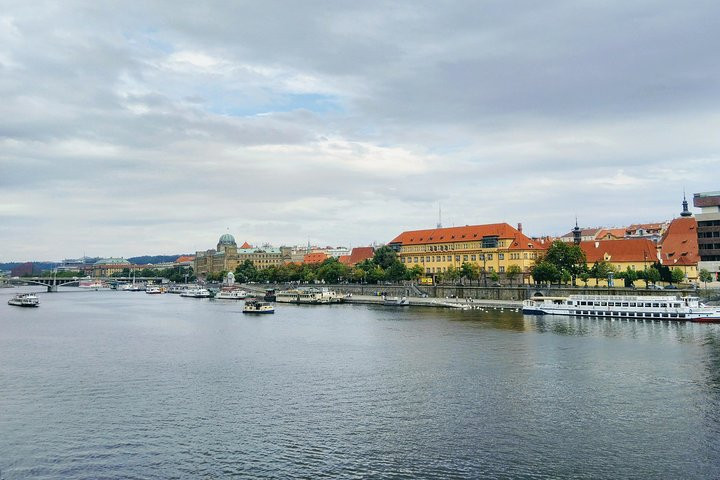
pixel 151 127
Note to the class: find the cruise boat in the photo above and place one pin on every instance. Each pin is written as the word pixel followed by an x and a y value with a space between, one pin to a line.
pixel 25 300
pixel 231 294
pixel 154 289
pixel 255 306
pixel 311 296
pixel 196 293
pixel 626 307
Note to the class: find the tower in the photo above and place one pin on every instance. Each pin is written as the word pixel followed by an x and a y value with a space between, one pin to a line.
pixel 576 233
pixel 685 212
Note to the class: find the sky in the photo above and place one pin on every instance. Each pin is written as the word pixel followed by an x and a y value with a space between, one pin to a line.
pixel 153 127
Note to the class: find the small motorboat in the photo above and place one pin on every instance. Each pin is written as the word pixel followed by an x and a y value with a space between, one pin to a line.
pixel 25 300
pixel 254 306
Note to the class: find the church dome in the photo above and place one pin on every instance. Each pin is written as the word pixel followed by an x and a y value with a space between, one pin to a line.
pixel 227 239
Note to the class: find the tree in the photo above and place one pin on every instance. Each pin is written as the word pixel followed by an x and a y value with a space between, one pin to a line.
pixel 600 270
pixel 332 271
pixel 705 277
pixel 466 271
pixel 415 272
pixel 630 277
pixel 567 257
pixel 513 271
pixel 494 276
pixel 397 271
pixel 653 275
pixel 676 275
pixel 585 276
pixel 246 272
pixel 384 257
pixel 546 272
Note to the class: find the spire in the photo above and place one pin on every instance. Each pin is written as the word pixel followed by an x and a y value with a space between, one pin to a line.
pixel 685 212
pixel 576 233
pixel 439 224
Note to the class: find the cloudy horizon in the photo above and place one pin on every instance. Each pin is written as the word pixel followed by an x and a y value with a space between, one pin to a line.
pixel 148 128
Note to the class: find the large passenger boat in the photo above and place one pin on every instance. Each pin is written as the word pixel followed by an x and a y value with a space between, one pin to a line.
pixel 312 296
pixel 25 300
pixel 231 294
pixel 621 306
pixel 196 293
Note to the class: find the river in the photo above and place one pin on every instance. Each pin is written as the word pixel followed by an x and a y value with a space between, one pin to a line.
pixel 127 385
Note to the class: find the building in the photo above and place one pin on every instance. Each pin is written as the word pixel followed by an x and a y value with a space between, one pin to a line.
pixel 586 234
pixel 633 253
pixel 679 245
pixel 357 255
pixel 652 231
pixel 492 247
pixel 109 266
pixel 227 256
pixel 708 231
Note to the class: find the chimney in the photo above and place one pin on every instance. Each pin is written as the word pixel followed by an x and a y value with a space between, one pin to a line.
pixel 519 227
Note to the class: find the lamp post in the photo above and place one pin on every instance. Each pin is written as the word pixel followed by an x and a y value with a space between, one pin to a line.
pixel 484 259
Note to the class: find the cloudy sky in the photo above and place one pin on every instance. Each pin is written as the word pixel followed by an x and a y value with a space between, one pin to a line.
pixel 153 127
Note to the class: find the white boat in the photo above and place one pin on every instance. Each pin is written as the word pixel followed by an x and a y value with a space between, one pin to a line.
pixel 92 284
pixel 255 306
pixel 196 293
pixel 396 301
pixel 311 296
pixel 25 300
pixel 626 307
pixel 231 294
pixel 154 289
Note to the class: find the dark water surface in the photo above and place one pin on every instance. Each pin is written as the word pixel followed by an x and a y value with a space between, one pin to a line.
pixel 129 385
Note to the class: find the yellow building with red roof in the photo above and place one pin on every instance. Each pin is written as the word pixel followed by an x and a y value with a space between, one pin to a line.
pixel 492 247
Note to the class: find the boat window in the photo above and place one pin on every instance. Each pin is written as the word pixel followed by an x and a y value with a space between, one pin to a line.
pixel 604 304
pixel 625 304
pixel 632 304
pixel 655 305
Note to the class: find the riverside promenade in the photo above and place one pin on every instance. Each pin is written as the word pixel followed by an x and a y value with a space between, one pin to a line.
pixel 461 303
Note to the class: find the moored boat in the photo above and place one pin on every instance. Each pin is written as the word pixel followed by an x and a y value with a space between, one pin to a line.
pixel 231 294
pixel 627 307
pixel 196 293
pixel 255 306
pixel 310 296
pixel 395 301
pixel 25 300
pixel 154 289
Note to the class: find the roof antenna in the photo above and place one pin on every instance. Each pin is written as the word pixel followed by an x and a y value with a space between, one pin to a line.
pixel 439 224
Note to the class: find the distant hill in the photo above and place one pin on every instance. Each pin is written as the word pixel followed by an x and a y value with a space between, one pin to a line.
pixel 37 267
pixel 145 259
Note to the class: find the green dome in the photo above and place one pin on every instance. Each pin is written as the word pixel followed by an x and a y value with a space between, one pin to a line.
pixel 227 239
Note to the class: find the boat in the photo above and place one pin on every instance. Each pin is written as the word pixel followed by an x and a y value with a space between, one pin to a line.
pixel 25 300
pixel 92 284
pixel 624 306
pixel 269 295
pixel 396 301
pixel 154 289
pixel 255 306
pixel 196 293
pixel 231 294
pixel 310 296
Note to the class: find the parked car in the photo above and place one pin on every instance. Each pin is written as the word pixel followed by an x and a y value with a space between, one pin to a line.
pixel 654 287
pixel 670 287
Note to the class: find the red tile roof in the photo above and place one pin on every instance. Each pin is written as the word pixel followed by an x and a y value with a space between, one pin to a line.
pixel 344 259
pixel 318 257
pixel 246 245
pixel 466 234
pixel 626 250
pixel 610 234
pixel 360 254
pixel 679 245
pixel 185 258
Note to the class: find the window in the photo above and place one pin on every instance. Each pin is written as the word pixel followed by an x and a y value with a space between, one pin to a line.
pixel 472 257
pixel 502 269
pixel 402 259
pixel 457 258
pixel 501 256
pixel 415 259
pixel 427 259
pixel 465 258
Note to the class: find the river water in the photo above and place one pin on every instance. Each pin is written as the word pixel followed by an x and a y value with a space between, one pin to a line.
pixel 128 385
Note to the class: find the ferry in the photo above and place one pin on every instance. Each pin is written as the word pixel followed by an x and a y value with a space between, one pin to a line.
pixel 196 293
pixel 231 294
pixel 25 300
pixel 254 306
pixel 625 307
pixel 311 296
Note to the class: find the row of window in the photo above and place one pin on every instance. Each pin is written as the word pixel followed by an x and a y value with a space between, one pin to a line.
pixel 630 314
pixel 709 246
pixel 449 258
pixel 708 234
pixel 709 223
pixel 628 304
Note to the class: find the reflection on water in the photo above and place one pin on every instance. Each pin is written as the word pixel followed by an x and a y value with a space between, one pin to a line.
pixel 121 384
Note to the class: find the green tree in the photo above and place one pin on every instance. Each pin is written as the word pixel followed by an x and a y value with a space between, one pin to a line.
pixel 653 275
pixel 467 271
pixel 415 272
pixel 512 272
pixel 705 277
pixel 600 271
pixel 396 272
pixel 543 272
pixel 494 276
pixel 567 257
pixel 246 272
pixel 676 275
pixel 584 277
pixel 384 257
pixel 630 276
pixel 332 271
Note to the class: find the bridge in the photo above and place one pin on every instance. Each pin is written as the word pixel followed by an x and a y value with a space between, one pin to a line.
pixel 52 283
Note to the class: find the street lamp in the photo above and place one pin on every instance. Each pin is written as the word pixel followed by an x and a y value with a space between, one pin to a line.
pixel 484 259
